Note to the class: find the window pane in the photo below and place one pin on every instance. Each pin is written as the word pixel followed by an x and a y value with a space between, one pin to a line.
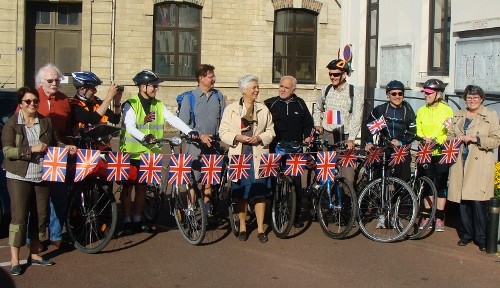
pixel 189 17
pixel 373 22
pixel 284 21
pixel 283 44
pixel 165 15
pixel 164 65
pixel 43 17
pixel 306 23
pixel 188 42
pixel 305 46
pixel 373 52
pixel 436 57
pixel 187 65
pixel 305 69
pixel 164 41
pixel 278 70
pixel 62 15
pixel 439 14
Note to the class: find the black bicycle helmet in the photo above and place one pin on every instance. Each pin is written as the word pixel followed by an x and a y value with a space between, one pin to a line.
pixel 85 79
pixel 340 64
pixel 434 84
pixel 394 85
pixel 146 77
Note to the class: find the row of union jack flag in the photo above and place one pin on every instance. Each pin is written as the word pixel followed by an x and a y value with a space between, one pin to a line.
pixel 179 171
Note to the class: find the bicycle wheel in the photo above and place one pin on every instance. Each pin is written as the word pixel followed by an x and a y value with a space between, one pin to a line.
pixel 283 207
pixel 426 193
pixel 190 219
pixel 92 217
pixel 389 220
pixel 153 204
pixel 234 220
pixel 337 208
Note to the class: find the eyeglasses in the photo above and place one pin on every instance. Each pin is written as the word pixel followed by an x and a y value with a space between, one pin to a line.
pixel 335 74
pixel 429 93
pixel 473 98
pixel 52 80
pixel 28 101
pixel 396 94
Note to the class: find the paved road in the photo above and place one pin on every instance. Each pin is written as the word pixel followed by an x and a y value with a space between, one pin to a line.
pixel 309 259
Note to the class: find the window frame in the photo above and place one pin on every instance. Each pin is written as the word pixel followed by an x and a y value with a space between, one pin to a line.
pixel 293 58
pixel 176 31
pixel 445 31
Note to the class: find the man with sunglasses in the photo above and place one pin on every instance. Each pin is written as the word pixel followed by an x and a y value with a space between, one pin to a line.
pixel 348 101
pixel 143 122
pixel 401 127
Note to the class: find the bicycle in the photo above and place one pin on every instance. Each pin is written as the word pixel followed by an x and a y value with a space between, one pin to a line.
pixel 93 212
pixel 387 207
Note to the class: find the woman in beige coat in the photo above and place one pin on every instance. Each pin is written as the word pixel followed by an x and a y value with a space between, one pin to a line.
pixel 472 176
pixel 247 127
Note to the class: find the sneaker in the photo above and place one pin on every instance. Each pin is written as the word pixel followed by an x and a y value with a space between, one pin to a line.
pixel 423 223
pixel 439 225
pixel 381 222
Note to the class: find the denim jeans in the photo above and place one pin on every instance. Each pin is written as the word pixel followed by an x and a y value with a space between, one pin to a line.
pixel 58 203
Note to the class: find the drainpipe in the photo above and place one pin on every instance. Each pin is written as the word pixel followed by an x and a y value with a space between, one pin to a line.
pixel 113 24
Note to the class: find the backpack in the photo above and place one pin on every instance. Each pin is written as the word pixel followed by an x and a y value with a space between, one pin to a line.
pixel 191 104
pixel 351 95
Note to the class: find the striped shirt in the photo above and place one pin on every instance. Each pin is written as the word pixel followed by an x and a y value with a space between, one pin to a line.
pixel 34 172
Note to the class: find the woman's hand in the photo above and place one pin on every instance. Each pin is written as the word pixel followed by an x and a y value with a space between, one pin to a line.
pixel 243 138
pixel 39 147
pixel 255 140
pixel 468 139
pixel 71 148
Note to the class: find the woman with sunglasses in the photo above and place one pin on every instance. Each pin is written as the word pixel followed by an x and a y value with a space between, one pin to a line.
pixel 472 176
pixel 400 120
pixel 247 127
pixel 431 126
pixel 25 139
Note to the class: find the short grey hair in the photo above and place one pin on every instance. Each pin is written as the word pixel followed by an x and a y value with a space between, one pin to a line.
pixel 41 73
pixel 245 80
pixel 294 80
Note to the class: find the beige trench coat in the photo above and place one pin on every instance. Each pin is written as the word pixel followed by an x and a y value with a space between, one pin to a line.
pixel 474 181
pixel 230 126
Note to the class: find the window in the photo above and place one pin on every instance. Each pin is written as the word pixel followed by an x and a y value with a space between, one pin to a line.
pixel 439 37
pixel 295 45
pixel 177 37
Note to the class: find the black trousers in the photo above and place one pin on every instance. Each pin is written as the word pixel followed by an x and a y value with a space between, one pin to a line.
pixel 473 220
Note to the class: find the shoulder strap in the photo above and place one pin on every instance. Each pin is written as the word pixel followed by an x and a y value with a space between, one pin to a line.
pixel 351 95
pixel 191 108
pixel 324 97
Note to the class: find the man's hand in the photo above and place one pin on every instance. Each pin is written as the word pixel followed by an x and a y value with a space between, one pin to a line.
pixel 149 139
pixel 206 139
pixel 350 144
pixel 319 129
pixel 150 117
pixel 368 147
pixel 395 142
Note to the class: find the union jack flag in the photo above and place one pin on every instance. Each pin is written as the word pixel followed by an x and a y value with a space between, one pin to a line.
pixel 239 167
pixel 295 164
pixel 86 161
pixel 118 166
pixel 54 164
pixel 450 151
pixel 424 152
pixel 399 155
pixel 375 155
pixel 179 172
pixel 448 123
pixel 269 164
pixel 348 158
pixel 377 125
pixel 150 168
pixel 326 163
pixel 211 168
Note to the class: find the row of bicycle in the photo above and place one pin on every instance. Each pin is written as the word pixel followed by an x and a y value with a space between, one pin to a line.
pixel 385 208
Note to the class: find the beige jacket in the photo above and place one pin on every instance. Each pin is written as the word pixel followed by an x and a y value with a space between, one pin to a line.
pixel 230 126
pixel 474 181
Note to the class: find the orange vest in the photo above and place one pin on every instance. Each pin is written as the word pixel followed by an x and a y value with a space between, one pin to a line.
pixel 76 101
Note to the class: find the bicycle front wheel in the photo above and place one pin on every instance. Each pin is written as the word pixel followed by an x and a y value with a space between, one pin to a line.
pixel 426 193
pixel 387 213
pixel 190 219
pixel 152 204
pixel 283 207
pixel 337 209
pixel 92 217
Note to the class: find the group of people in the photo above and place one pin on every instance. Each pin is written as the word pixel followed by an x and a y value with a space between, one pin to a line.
pixel 46 117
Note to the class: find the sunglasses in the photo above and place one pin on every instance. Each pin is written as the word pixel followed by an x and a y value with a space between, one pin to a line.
pixel 335 74
pixel 429 93
pixel 52 80
pixel 396 94
pixel 28 102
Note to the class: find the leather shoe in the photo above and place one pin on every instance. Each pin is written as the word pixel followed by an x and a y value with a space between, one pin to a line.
pixel 262 237
pixel 16 270
pixel 41 262
pixel 243 236
pixel 463 242
pixel 482 246
pixel 61 244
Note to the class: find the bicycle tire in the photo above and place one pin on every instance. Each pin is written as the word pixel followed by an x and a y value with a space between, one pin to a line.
pixel 92 217
pixel 337 208
pixel 234 219
pixel 283 207
pixel 424 188
pixel 153 204
pixel 192 222
pixel 395 219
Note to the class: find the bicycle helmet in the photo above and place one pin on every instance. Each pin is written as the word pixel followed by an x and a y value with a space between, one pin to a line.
pixel 394 85
pixel 435 85
pixel 146 77
pixel 339 64
pixel 85 79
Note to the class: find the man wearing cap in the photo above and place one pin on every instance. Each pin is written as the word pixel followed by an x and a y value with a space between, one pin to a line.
pixel 337 97
pixel 143 123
